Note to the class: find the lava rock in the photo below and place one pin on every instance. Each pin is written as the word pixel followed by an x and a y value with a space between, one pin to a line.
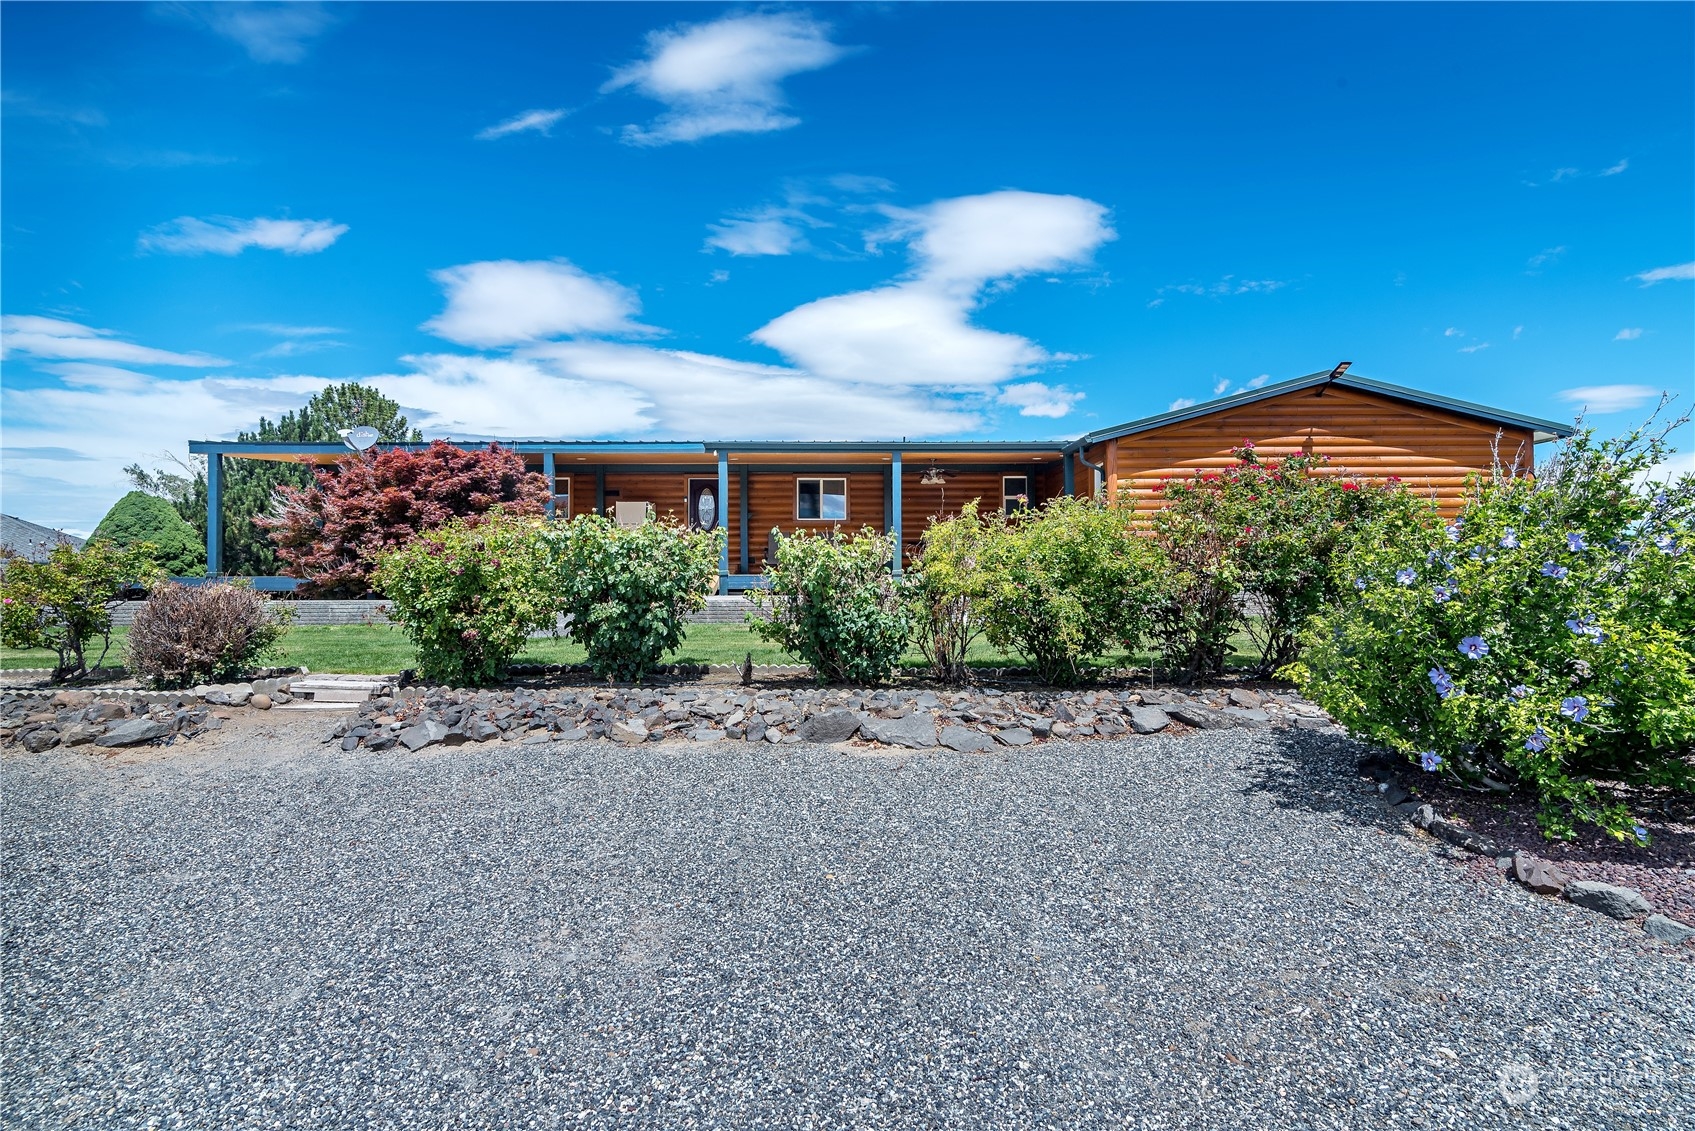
pixel 133 732
pixel 39 739
pixel 965 740
pixel 1608 899
pixel 631 732
pixel 1667 929
pixel 1014 736
pixel 1201 718
pixel 1148 720
pixel 1538 875
pixel 1461 837
pixel 831 726
pixel 427 733
pixel 1242 697
pixel 915 731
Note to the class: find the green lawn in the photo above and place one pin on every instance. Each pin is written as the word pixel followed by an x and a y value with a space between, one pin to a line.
pixel 384 648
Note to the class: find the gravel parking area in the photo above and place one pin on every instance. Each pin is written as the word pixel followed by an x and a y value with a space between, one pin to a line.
pixel 1210 931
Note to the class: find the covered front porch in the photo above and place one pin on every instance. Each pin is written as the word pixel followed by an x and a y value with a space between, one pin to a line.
pixel 754 492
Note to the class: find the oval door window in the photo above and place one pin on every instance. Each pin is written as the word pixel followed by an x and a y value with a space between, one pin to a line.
pixel 706 511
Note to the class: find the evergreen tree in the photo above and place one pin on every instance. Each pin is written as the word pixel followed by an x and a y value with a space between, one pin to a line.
pixel 139 517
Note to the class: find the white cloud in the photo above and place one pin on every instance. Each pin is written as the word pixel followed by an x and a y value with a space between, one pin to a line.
pixel 537 121
pixel 1181 402
pixel 725 76
pixel 21 105
pixel 1474 349
pixel 1673 468
pixel 1615 170
pixel 899 335
pixel 505 302
pixel 919 331
pixel 271 33
pixel 698 396
pixel 767 234
pixel 717 277
pixel 1226 287
pixel 1033 398
pixel 1220 386
pixel 1628 334
pixel 118 417
pixel 1518 331
pixel 1453 332
pixel 285 330
pixel 226 235
pixel 1603 399
pixel 1008 234
pixel 56 339
pixel 1545 258
pixel 1680 271
pixel 1564 174
pixel 456 395
pixel 1259 382
pixel 294 347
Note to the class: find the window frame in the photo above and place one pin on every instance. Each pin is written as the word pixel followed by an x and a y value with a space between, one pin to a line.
pixel 555 497
pixel 821 480
pixel 1007 497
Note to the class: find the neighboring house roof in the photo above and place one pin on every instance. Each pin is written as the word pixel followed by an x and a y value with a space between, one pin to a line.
pixel 31 540
pixel 1543 429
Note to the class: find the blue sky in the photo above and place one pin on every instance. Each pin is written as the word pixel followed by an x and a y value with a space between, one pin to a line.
pixel 694 221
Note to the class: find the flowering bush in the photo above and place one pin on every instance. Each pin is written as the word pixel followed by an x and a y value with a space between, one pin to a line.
pixel 628 590
pixel 186 634
pixel 1545 638
pixel 834 602
pixel 331 534
pixel 1065 583
pixel 1253 548
pixel 66 602
pixel 469 595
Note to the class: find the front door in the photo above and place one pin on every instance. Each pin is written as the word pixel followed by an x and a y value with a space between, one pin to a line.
pixel 706 509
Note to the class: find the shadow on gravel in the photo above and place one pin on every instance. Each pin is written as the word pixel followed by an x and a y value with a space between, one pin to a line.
pixel 1311 772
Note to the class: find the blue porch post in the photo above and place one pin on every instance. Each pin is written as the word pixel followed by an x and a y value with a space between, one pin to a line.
pixel 742 525
pixel 722 513
pixel 552 483
pixel 214 515
pixel 894 508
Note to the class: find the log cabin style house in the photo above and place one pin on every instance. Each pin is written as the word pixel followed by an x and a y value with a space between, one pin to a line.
pixel 751 489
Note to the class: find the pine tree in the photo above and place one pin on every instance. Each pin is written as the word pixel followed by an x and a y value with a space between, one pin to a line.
pixel 139 517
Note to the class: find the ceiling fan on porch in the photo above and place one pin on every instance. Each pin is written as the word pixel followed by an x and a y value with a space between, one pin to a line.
pixel 937 476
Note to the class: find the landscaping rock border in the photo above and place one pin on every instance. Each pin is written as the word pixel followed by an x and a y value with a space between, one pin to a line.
pixel 1539 876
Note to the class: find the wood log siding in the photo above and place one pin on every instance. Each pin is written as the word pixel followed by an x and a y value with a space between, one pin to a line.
pixel 1373 437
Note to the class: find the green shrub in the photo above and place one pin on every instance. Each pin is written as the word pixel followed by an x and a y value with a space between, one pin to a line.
pixel 186 635
pixel 138 517
pixel 834 602
pixel 1545 639
pixel 945 586
pixel 1253 548
pixel 1066 583
pixel 628 591
pixel 469 596
pixel 66 602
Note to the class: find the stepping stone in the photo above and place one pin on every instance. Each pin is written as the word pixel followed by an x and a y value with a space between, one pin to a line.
pixel 133 732
pixel 1148 720
pixel 831 726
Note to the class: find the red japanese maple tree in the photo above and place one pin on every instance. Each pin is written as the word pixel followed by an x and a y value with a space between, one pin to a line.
pixel 330 534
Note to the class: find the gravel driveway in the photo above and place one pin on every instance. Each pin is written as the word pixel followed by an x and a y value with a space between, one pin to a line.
pixel 1219 930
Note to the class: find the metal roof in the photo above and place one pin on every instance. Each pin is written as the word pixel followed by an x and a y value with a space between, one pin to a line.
pixel 1543 429
pixel 31 540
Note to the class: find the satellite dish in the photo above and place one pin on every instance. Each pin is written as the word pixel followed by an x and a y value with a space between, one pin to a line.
pixel 361 437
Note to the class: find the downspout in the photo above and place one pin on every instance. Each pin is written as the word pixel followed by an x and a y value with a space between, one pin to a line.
pixel 1098 468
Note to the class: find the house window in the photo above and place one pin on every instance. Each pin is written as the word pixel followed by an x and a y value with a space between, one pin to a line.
pixel 562 496
pixel 821 500
pixel 1015 493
